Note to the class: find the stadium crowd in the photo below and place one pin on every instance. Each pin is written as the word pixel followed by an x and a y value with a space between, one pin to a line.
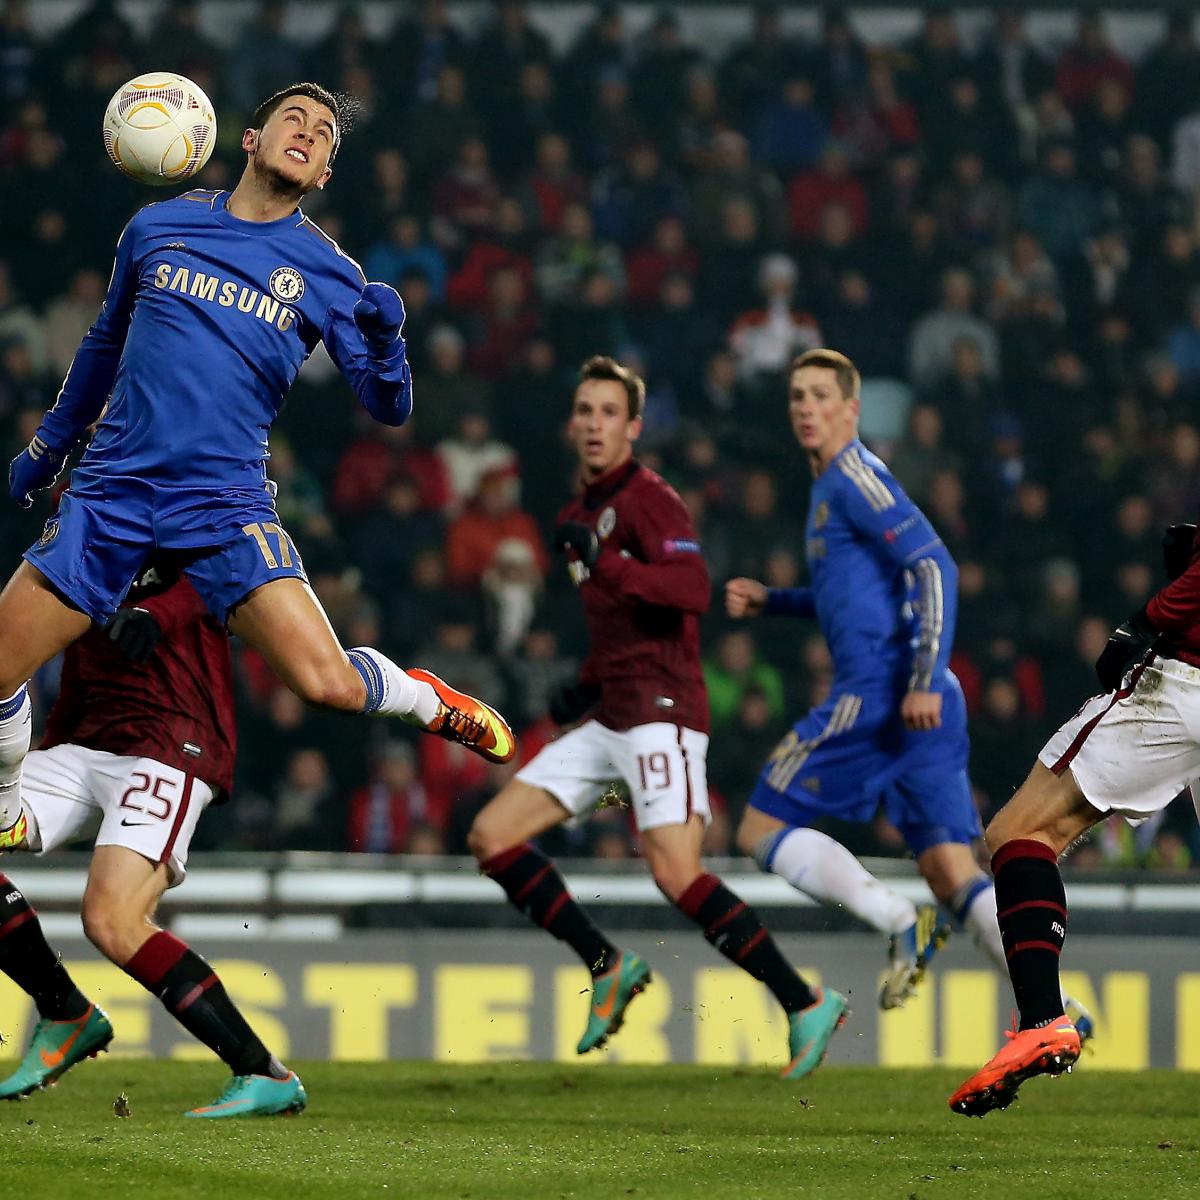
pixel 1003 235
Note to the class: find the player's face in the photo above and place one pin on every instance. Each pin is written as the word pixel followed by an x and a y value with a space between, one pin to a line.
pixel 295 144
pixel 600 428
pixel 823 420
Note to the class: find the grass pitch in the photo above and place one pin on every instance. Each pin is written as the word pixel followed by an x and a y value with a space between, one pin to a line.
pixel 528 1131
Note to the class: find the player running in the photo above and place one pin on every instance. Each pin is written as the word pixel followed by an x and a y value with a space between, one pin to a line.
pixel 216 299
pixel 139 742
pixel 1130 750
pixel 893 729
pixel 635 558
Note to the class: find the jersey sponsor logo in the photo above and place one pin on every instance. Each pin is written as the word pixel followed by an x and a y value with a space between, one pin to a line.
pixel 134 824
pixel 607 522
pixel 225 292
pixel 681 546
pixel 820 515
pixel 50 532
pixel 897 531
pixel 286 284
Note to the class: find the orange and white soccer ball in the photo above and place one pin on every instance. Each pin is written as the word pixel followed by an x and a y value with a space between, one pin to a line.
pixel 159 128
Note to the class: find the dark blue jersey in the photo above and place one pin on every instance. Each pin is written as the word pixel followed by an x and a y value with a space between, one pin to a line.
pixel 206 323
pixel 884 587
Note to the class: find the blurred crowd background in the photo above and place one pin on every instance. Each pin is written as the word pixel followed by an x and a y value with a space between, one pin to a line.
pixel 1001 229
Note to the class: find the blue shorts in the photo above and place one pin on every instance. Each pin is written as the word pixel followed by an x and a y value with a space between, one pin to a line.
pixel 852 754
pixel 92 549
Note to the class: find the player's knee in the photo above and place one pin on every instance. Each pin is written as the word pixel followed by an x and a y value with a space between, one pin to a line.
pixel 675 876
pixel 487 837
pixel 111 928
pixel 340 690
pixel 747 838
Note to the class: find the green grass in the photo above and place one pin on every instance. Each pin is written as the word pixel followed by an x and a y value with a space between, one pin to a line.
pixel 532 1130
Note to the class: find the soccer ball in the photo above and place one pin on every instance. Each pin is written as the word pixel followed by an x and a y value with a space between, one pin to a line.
pixel 159 128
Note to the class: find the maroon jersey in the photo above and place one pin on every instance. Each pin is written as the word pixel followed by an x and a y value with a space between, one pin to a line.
pixel 1175 612
pixel 176 707
pixel 642 601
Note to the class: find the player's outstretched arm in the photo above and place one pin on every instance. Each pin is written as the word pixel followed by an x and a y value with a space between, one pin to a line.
pixel 88 384
pixel 366 344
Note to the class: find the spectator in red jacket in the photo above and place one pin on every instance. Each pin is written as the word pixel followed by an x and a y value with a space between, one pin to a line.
pixel 494 516
pixel 667 253
pixel 387 810
pixel 1087 61
pixel 829 182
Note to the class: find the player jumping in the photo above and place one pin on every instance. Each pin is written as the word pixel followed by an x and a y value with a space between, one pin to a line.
pixel 893 729
pixel 139 742
pixel 1130 750
pixel 215 300
pixel 635 558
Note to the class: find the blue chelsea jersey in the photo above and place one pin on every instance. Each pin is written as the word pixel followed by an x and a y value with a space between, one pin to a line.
pixel 884 587
pixel 206 323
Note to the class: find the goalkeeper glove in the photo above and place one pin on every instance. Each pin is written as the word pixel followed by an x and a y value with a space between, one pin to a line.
pixel 575 535
pixel 35 468
pixel 1127 644
pixel 569 701
pixel 379 316
pixel 1177 549
pixel 134 632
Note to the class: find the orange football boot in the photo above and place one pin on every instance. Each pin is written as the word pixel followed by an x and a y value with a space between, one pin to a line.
pixel 1050 1050
pixel 463 719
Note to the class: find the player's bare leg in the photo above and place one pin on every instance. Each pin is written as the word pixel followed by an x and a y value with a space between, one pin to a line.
pixel 734 928
pixel 122 894
pixel 70 1028
pixel 815 864
pixel 499 839
pixel 35 625
pixel 1026 838
pixel 284 621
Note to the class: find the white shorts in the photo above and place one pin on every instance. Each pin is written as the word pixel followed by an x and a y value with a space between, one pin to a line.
pixel 71 793
pixel 662 764
pixel 1134 750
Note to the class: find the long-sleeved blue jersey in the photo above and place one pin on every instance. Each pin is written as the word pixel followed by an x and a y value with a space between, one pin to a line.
pixel 884 587
pixel 206 323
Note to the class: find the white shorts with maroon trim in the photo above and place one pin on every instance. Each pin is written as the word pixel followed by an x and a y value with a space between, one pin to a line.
pixel 1134 750
pixel 71 793
pixel 663 765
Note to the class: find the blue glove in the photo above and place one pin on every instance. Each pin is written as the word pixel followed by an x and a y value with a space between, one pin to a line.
pixel 379 315
pixel 35 468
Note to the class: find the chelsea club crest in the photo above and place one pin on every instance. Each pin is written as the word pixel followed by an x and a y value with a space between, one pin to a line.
pixel 286 284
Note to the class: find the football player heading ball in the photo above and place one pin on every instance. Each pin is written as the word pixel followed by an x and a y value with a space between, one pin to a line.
pixel 215 301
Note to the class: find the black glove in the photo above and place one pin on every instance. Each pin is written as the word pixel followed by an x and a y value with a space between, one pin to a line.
pixel 1177 549
pixel 575 535
pixel 1127 644
pixel 135 633
pixel 569 701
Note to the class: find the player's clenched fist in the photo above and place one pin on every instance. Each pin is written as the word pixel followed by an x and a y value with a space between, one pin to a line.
pixel 379 315
pixel 36 467
pixel 745 597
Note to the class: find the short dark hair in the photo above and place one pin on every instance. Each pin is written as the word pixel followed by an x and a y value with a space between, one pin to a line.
pixel 314 91
pixel 601 366
pixel 848 379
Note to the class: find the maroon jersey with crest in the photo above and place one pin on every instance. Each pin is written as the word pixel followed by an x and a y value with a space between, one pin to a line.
pixel 642 601
pixel 176 707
